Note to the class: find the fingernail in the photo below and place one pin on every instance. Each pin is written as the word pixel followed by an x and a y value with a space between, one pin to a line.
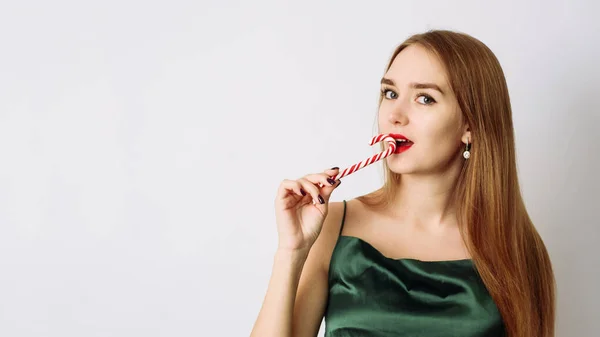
pixel 321 200
pixel 335 168
pixel 339 183
pixel 302 191
pixel 331 181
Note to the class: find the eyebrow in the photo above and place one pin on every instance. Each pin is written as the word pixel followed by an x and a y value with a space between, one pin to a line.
pixel 414 85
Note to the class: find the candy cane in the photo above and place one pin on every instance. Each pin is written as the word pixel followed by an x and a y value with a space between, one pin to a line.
pixel 384 154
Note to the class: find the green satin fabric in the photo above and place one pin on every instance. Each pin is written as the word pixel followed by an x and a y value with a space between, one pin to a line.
pixel 371 295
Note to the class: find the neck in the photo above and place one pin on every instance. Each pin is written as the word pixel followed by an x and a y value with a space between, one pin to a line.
pixel 423 201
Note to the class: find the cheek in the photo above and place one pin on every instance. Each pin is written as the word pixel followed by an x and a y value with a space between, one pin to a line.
pixel 383 118
pixel 437 135
pixel 381 112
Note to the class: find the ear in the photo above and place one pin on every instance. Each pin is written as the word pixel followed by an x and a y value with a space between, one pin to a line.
pixel 466 137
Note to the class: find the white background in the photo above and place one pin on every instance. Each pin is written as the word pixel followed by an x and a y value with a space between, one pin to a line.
pixel 142 143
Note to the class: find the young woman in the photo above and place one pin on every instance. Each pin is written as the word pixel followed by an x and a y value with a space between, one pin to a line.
pixel 445 247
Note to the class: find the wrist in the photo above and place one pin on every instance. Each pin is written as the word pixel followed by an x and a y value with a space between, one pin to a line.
pixel 292 253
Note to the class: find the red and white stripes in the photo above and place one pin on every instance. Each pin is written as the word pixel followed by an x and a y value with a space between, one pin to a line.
pixel 382 137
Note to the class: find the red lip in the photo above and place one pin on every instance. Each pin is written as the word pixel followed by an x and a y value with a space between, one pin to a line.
pixel 398 136
pixel 401 148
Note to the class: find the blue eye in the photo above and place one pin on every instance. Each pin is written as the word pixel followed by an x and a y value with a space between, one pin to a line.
pixel 427 98
pixel 389 94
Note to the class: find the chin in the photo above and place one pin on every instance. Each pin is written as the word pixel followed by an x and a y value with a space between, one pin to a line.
pixel 400 168
pixel 401 172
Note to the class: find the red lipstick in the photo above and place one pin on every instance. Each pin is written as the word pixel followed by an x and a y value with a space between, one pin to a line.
pixel 402 143
pixel 398 136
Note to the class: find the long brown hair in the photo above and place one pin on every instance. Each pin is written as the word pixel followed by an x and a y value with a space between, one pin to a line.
pixel 506 249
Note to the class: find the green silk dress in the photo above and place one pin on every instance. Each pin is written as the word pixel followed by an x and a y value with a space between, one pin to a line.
pixel 371 295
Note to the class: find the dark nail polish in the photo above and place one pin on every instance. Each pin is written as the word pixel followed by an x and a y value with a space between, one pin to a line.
pixel 321 200
pixel 302 191
pixel 331 181
pixel 335 168
pixel 339 183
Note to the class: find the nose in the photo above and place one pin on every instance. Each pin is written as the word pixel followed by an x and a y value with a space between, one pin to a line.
pixel 397 114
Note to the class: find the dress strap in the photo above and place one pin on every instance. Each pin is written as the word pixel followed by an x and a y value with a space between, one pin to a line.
pixel 343 218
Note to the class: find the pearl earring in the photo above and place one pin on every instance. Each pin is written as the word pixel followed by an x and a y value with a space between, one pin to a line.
pixel 467 153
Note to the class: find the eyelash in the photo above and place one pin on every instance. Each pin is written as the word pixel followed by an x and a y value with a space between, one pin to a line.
pixel 384 90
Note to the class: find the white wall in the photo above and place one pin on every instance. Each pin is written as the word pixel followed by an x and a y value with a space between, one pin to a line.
pixel 142 144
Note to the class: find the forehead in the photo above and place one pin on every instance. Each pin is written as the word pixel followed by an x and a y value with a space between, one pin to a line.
pixel 417 64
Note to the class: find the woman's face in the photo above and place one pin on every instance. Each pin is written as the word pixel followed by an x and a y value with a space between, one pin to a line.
pixel 418 103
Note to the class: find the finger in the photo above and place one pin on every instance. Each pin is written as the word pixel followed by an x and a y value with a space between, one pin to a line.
pixel 290 188
pixel 312 189
pixel 327 190
pixel 326 184
pixel 321 179
pixel 332 171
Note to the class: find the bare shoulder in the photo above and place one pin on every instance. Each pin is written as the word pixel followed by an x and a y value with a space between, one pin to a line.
pixel 325 244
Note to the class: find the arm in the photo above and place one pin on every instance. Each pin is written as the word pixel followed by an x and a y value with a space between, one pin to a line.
pixel 297 294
